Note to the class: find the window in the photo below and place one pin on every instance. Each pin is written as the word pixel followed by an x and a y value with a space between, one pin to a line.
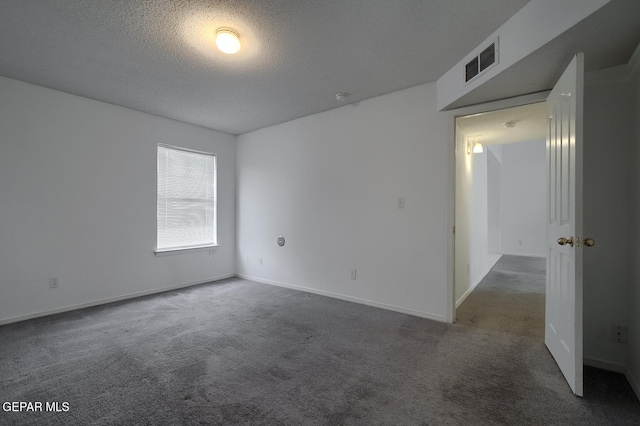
pixel 186 208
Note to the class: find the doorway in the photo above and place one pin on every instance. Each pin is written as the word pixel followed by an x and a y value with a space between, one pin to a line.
pixel 500 191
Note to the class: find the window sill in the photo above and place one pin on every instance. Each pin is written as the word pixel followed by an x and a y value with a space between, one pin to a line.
pixel 174 251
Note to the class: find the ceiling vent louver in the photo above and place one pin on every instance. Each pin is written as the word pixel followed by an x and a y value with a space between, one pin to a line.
pixel 481 63
pixel 471 69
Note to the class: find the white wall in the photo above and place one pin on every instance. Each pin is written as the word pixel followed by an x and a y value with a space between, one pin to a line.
pixel 605 177
pixel 494 199
pixel 523 198
pixel 633 296
pixel 329 183
pixel 78 202
pixel 463 284
pixel 478 219
pixel 473 260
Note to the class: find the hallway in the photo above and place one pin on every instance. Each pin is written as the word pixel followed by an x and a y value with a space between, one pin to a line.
pixel 511 300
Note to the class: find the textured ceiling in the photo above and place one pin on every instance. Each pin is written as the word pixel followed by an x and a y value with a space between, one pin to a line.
pixel 156 55
pixel 531 124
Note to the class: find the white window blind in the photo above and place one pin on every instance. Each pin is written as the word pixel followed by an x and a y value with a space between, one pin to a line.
pixel 186 210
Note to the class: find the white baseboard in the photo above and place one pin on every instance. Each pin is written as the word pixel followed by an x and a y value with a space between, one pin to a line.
pixel 475 284
pixel 604 365
pixel 467 293
pixel 440 318
pixel 616 368
pixel 542 256
pixel 109 300
pixel 633 381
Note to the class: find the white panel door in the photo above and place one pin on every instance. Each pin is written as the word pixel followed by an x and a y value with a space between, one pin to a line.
pixel 563 314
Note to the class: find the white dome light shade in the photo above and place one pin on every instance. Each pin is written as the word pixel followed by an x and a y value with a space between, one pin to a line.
pixel 227 41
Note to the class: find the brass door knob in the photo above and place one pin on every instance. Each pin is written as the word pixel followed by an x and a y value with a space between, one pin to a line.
pixel 589 242
pixel 565 241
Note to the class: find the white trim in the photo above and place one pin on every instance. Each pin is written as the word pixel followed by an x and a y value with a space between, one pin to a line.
pixel 110 300
pixel 531 98
pixel 421 314
pixel 451 223
pixel 634 379
pixel 603 365
pixel 633 382
pixel 178 148
pixel 541 256
pixel 174 251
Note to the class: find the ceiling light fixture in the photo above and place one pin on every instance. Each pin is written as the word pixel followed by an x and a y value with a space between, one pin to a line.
pixel 342 96
pixel 510 124
pixel 227 40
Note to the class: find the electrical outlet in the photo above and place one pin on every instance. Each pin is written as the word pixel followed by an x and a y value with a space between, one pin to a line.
pixel 53 282
pixel 401 202
pixel 260 260
pixel 618 333
pixel 354 273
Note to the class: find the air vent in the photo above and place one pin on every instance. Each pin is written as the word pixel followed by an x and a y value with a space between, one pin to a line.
pixel 481 63
pixel 472 69
pixel 487 57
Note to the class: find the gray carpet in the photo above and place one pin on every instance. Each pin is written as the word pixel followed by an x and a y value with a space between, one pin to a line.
pixel 241 353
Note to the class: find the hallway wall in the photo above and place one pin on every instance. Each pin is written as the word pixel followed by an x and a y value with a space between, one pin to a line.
pixel 473 259
pixel 606 208
pixel 633 296
pixel 523 196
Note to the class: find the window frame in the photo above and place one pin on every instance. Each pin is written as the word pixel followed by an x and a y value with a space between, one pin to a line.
pixel 195 248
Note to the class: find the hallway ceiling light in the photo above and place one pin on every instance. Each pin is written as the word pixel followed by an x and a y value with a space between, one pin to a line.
pixel 510 124
pixel 227 40
pixel 477 148
pixel 342 96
